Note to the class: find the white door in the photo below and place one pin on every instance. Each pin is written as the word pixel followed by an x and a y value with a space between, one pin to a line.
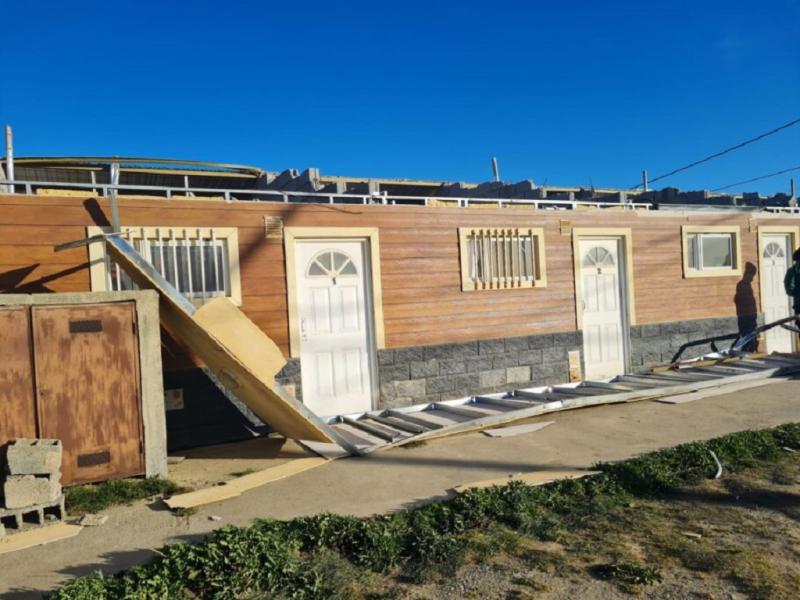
pixel 602 317
pixel 776 304
pixel 335 341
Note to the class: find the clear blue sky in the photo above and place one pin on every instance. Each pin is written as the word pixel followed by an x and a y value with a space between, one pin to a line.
pixel 565 93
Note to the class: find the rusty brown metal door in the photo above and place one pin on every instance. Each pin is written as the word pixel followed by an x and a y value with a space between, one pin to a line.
pixel 17 406
pixel 87 388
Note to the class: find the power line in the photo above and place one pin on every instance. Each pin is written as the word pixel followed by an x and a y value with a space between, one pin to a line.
pixel 722 152
pixel 759 178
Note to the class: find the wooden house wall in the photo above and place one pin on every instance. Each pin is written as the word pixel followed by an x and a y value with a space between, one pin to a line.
pixel 422 297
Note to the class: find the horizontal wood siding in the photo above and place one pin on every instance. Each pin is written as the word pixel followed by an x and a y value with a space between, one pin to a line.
pixel 423 301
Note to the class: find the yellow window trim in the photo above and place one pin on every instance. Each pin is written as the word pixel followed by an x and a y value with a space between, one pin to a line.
pixel 230 235
pixel 735 230
pixel 623 234
pixel 370 234
pixel 503 283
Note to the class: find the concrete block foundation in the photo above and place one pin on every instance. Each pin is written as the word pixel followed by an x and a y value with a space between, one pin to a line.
pixel 20 491
pixel 33 457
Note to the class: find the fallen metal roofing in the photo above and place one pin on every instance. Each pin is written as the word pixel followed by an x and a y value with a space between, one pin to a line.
pixel 397 426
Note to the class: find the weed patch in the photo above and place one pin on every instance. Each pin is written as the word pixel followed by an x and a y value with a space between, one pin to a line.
pixel 94 498
pixel 325 555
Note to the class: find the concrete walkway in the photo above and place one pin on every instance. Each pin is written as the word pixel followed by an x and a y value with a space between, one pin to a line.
pixel 401 477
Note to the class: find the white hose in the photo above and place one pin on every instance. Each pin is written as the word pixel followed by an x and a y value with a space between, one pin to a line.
pixel 719 465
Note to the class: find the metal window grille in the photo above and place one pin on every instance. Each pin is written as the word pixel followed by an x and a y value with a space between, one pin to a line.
pixel 502 258
pixel 197 265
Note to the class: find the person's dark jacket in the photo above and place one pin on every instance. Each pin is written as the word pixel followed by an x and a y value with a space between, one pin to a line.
pixel 792 284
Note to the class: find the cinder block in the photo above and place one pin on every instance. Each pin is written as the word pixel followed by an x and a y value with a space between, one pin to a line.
pixel 492 379
pixel 33 457
pixel 518 374
pixel 424 368
pixel 20 491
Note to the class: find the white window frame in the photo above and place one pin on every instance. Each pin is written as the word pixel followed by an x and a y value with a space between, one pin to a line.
pixel 504 268
pixel 177 236
pixel 711 230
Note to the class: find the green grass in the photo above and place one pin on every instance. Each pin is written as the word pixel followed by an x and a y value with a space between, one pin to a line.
pixel 95 498
pixel 304 557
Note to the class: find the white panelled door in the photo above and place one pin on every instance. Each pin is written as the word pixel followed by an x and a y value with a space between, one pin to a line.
pixel 776 304
pixel 601 291
pixel 335 341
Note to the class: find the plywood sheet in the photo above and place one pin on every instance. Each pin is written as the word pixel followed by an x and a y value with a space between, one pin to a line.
pixel 719 391
pixel 533 478
pixel 17 408
pixel 38 537
pixel 235 487
pixel 87 380
pixel 516 429
pixel 243 358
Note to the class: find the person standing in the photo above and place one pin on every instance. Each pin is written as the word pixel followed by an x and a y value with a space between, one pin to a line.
pixel 792 282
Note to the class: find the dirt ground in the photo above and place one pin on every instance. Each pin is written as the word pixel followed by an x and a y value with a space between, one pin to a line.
pixel 402 477
pixel 204 467
pixel 734 538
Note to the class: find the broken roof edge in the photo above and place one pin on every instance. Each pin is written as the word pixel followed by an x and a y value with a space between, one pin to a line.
pixel 132 161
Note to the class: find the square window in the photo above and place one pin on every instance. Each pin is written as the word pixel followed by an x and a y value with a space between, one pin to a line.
pixel 501 258
pixel 201 263
pixel 711 251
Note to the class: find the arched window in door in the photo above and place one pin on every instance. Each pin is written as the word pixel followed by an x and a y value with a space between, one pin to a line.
pixel 331 263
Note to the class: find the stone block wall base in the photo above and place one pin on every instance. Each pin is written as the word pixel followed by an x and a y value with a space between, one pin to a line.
pixel 658 343
pixel 432 373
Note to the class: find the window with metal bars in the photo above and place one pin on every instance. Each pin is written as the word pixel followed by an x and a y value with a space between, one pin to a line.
pixel 501 258
pixel 201 263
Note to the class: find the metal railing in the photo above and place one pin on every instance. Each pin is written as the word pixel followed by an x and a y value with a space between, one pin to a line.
pixel 256 195
pixel 792 210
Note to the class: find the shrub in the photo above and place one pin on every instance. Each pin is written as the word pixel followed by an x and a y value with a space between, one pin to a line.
pixel 300 558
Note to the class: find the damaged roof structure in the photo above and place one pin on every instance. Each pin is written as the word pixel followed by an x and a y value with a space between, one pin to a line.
pixel 164 176
pixel 365 312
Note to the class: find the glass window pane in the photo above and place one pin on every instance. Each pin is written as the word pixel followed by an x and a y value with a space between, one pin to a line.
pixel 315 270
pixel 478 260
pixel 325 260
pixel 224 275
pixel 527 256
pixel 716 251
pixel 348 269
pixel 195 268
pixel 155 256
pixel 182 256
pixel 338 260
pixel 211 270
pixel 169 264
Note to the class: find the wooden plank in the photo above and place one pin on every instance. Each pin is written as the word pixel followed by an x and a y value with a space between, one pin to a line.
pixel 38 537
pixel 514 430
pixel 235 487
pixel 534 478
pixel 719 391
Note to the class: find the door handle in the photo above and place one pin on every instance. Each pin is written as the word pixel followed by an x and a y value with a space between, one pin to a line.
pixel 303 327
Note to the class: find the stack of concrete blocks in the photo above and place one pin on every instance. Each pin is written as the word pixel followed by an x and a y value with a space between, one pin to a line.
pixel 30 480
